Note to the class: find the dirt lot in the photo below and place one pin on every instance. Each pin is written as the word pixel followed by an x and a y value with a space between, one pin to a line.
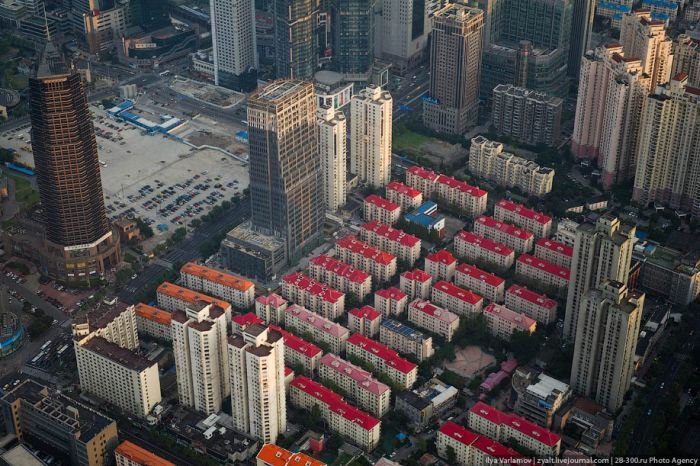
pixel 470 361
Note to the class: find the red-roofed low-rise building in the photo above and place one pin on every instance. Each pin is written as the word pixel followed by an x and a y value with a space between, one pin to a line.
pixel 130 454
pixel 351 423
pixel 440 265
pixel 405 339
pixel 400 371
pixel 468 199
pixel 496 424
pixel 366 391
pixel 298 319
pixel 477 249
pixel 517 239
pixel 273 455
pixel 416 284
pixel 502 322
pixel 390 302
pixel 172 297
pixel 542 273
pixel 313 295
pixel 432 318
pixel 271 308
pixel 299 352
pixel 537 306
pixel 153 321
pixel 240 321
pixel 421 179
pixel 341 276
pixel 456 299
pixel 487 451
pixel 379 264
pixel 365 320
pixel 236 290
pixel 539 224
pixel 382 210
pixel 554 252
pixel 408 198
pixel 404 246
pixel 491 287
pixel 459 439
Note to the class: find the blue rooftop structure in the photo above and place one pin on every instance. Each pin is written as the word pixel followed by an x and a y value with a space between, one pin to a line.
pixel 620 9
pixel 426 216
pixel 403 330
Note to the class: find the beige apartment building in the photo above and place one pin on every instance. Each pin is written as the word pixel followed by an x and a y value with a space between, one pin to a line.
pixel 315 296
pixel 554 252
pixel 235 290
pixel 456 299
pixel 332 146
pixel 365 320
pixel 379 264
pixel 537 306
pixel 531 117
pixel 416 284
pixel 542 273
pixel 646 39
pixel 400 371
pixel 432 318
pixel 408 198
pixel 517 239
pixel 298 319
pixel 390 301
pixel 469 200
pixel 370 136
pixel 404 246
pixel 298 351
pixel 537 223
pixel 405 339
pixel 153 322
pixel 502 322
pixel 686 58
pixel 440 265
pixel 271 308
pixel 379 209
pixel 341 276
pixel 477 249
pixel 485 284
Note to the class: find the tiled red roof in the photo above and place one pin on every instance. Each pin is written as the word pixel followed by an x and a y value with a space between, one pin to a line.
pixel 459 433
pixel 388 355
pixel 334 402
pixel 548 267
pixel 423 173
pixel 485 243
pixel 506 228
pixel 417 275
pixel 288 371
pixel 296 343
pixel 382 203
pixel 368 251
pixel 556 246
pixel 392 293
pixel 457 292
pixel 403 189
pixel 363 378
pixel 318 322
pixel 528 295
pixel 273 299
pixel 519 320
pixel 391 233
pixel 489 413
pixel 340 268
pixel 524 211
pixel 461 186
pixel 476 272
pixel 432 310
pixel 366 312
pixel 244 320
pixel 443 256
pixel 494 449
pixel 532 430
pixel 313 287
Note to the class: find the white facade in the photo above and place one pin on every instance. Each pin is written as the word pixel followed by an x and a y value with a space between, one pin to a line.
pixel 341 276
pixel 537 223
pixel 233 289
pixel 332 146
pixel 399 44
pixel 404 246
pixel 517 239
pixel 491 287
pixel 233 37
pixel 432 318
pixel 299 319
pixel 370 136
pixel 477 249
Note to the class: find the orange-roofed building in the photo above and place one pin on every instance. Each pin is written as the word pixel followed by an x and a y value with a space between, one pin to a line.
pixel 176 298
pixel 130 454
pixel 236 290
pixel 273 455
pixel 153 321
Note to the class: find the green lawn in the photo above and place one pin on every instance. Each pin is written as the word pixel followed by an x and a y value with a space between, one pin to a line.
pixel 408 140
pixel 25 195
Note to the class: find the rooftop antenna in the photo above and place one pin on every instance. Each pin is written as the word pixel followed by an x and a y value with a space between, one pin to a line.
pixel 46 23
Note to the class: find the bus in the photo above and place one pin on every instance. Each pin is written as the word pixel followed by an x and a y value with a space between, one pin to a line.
pixel 164 73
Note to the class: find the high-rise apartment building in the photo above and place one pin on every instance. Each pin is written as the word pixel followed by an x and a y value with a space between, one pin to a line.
pixel 199 349
pixel 256 370
pixel 285 177
pixel 234 43
pixel 611 93
pixel 581 30
pixel 644 38
pixel 527 44
pixel 296 38
pixel 353 25
pixel 602 252
pixel 370 136
pixel 332 145
pixel 686 58
pixel 668 152
pixel 455 69
pixel 528 116
pixel 79 243
pixel 405 27
pixel 606 338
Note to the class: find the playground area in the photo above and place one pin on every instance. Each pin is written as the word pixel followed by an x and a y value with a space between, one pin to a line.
pixel 470 361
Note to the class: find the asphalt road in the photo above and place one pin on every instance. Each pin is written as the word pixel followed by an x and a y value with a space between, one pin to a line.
pixel 188 250
pixel 33 299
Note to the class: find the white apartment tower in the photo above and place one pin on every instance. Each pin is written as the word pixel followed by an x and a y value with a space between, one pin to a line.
pixel 256 360
pixel 370 136
pixel 199 348
pixel 668 167
pixel 646 39
pixel 602 252
pixel 612 87
pixel 405 27
pixel 233 39
pixel 606 339
pixel 332 146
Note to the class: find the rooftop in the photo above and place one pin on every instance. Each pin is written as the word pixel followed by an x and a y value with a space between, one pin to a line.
pixel 139 455
pixel 476 272
pixel 457 292
pixel 244 320
pixel 459 433
pixel 545 266
pixel 524 211
pixel 417 275
pixel 539 299
pixel 364 379
pixel 116 353
pixel 556 246
pixel 546 386
pixel 273 299
pixel 215 276
pixel 365 312
pixel 315 320
pixel 389 356
pixel 434 311
pixel 355 246
pixel 413 399
pixel 521 321
pixel 340 268
pixel 461 186
pixel 311 286
pixel 381 202
pixel 404 330
pixel 274 455
pixel 484 243
pixel 403 189
pixel 423 173
pixel 153 313
pixel 495 449
pixel 391 233
pixel 189 296
pixel 393 294
pixel 443 256
pixel 296 343
pixel 506 228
